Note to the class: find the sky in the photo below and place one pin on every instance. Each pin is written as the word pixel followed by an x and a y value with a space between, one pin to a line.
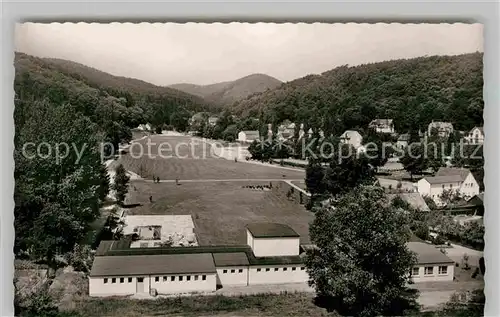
pixel 203 53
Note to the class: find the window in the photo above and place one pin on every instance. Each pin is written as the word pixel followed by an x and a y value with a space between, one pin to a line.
pixel 224 271
pixel 130 280
pixel 240 271
pixel 122 280
pixel 232 271
pixel 294 268
pixel 415 271
pixel 276 269
pixel 140 279
pixel 180 278
pixel 268 269
pixel 443 270
pixel 203 277
pixel 429 270
pixel 284 269
pixel 259 269
pixel 302 268
pixel 105 280
pixel 172 278
pixel 196 277
pixel 442 186
pixel 113 280
pixel 188 278
pixel 157 278
pixel 165 278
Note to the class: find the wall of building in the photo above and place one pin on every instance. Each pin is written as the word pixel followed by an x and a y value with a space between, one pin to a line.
pixel 277 274
pixel 121 285
pixel 435 276
pixel 232 275
pixel 165 285
pixel 276 246
pixel 470 187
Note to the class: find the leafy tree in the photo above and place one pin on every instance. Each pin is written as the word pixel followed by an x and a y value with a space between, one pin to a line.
pixel 414 159
pixel 361 264
pixel 120 185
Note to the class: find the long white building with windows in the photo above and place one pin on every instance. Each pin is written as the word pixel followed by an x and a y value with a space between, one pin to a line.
pixel 273 255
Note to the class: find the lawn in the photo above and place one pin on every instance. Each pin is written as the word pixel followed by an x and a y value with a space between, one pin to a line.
pixel 220 210
pixel 185 158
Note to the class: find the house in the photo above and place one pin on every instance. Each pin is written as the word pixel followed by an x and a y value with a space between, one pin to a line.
pixel 248 136
pixel 212 121
pixel 352 137
pixel 413 199
pixel 478 202
pixel 475 136
pixel 442 129
pixel 144 127
pixel 459 180
pixel 271 256
pixel 403 141
pixel 382 125
pixel 432 265
pixel 286 131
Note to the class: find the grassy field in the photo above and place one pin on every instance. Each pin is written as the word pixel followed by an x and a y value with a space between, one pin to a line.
pixel 291 304
pixel 220 210
pixel 187 159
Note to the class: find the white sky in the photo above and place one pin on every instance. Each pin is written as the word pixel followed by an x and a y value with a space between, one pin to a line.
pixel 201 53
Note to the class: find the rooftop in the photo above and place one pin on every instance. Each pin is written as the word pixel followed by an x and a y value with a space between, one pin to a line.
pixel 428 254
pixel 152 264
pixel 444 179
pixel 230 259
pixel 453 171
pixel 271 230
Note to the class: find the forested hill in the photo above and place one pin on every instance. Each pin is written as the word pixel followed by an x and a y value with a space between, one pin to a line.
pixel 158 103
pixel 413 92
pixel 226 93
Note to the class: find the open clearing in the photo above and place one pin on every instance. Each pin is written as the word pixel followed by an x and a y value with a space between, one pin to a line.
pixel 220 210
pixel 189 158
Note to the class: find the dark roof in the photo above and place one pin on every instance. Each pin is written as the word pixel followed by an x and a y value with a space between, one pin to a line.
pixel 428 254
pixel 451 171
pixel 230 259
pixel 444 179
pixel 152 264
pixel 271 230
pixel 274 260
pixel 381 122
pixel 404 137
pixel 179 250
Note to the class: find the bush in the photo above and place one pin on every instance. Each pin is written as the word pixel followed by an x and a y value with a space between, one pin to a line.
pixel 439 240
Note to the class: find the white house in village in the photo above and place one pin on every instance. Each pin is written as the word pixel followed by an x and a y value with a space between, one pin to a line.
pixel 382 125
pixel 352 137
pixel 248 136
pixel 475 136
pixel 212 120
pixel 459 180
pixel 443 129
pixel 286 131
pixel 272 256
pixel 433 265
pixel 403 141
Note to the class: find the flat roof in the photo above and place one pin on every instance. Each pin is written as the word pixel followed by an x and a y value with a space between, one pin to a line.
pixel 428 254
pixel 231 259
pixel 152 264
pixel 271 230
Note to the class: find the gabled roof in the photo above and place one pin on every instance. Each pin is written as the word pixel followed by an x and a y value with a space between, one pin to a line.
pixel 414 199
pixel 404 137
pixel 428 254
pixel 251 132
pixel 441 125
pixel 230 259
pixel 444 179
pixel 453 171
pixel 152 264
pixel 350 134
pixel 271 230
pixel 381 122
pixel 479 128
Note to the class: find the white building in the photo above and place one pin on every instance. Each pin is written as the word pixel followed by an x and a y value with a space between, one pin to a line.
pixel 212 121
pixel 403 141
pixel 458 180
pixel 382 125
pixel 248 136
pixel 475 136
pixel 352 137
pixel 271 239
pixel 443 129
pixel 432 264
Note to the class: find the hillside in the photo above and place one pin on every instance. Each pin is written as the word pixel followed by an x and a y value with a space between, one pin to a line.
pixel 413 92
pixel 226 93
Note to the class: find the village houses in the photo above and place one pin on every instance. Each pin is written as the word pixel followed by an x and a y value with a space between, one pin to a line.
pixel 382 125
pixel 442 129
pixel 352 137
pixel 248 136
pixel 474 136
pixel 456 180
